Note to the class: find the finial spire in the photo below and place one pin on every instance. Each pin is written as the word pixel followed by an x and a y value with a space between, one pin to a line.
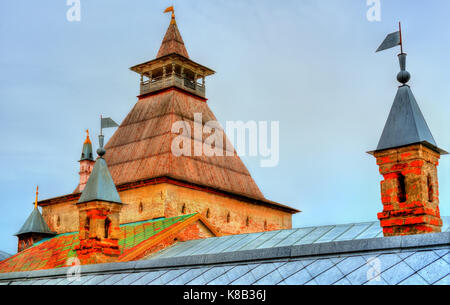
pixel 392 40
pixel 88 140
pixel 36 200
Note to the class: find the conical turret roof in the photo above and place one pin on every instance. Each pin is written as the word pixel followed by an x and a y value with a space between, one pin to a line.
pixel 100 185
pixel 86 153
pixel 35 223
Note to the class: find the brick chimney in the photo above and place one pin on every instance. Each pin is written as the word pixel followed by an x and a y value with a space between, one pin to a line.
pixel 408 156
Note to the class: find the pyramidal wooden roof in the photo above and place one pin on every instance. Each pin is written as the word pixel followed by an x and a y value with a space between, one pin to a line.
pixel 172 42
pixel 140 148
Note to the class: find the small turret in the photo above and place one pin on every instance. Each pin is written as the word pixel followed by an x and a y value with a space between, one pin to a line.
pixel 99 210
pixel 407 156
pixel 86 163
pixel 34 229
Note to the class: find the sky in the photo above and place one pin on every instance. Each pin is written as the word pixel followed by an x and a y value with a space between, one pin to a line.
pixel 308 64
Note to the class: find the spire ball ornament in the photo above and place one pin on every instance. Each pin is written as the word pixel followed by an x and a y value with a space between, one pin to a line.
pixel 403 76
pixel 101 151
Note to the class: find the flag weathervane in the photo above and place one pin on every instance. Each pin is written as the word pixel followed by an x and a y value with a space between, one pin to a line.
pixel 171 9
pixel 393 40
pixel 104 123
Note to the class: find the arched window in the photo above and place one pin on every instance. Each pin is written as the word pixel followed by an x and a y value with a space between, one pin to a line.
pixel 107 227
pixel 430 188
pixel 141 207
pixel 401 188
pixel 228 217
pixel 247 221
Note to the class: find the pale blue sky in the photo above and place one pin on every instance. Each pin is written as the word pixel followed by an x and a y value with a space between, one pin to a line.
pixel 309 64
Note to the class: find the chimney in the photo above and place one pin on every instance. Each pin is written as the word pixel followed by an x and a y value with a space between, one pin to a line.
pixel 408 156
pixel 86 163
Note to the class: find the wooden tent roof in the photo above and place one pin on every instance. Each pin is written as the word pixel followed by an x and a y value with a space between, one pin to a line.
pixel 141 147
pixel 172 42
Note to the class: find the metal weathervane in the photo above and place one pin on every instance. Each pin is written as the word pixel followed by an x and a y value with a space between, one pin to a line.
pixel 393 40
pixel 104 123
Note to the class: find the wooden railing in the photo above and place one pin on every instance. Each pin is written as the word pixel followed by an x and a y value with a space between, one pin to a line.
pixel 170 80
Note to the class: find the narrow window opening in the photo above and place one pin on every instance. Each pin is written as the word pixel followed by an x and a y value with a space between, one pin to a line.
pixel 183 209
pixel 208 213
pixel 401 188
pixel 265 225
pixel 58 221
pixel 430 188
pixel 107 227
pixel 247 221
pixel 141 207
pixel 228 217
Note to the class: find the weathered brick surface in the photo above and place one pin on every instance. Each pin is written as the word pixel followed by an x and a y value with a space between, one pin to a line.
pixel 228 215
pixel 409 191
pixel 99 232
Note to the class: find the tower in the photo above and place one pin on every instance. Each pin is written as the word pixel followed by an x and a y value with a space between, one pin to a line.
pixel 34 229
pixel 99 212
pixel 408 156
pixel 86 163
pixel 157 183
pixel 172 67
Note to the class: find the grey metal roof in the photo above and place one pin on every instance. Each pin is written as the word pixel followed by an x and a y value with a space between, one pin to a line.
pixel 35 223
pixel 4 255
pixel 282 238
pixel 100 185
pixel 342 254
pixel 415 259
pixel 406 124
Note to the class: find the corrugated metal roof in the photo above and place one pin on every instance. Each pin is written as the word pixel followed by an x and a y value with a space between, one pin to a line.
pixel 417 259
pixel 282 238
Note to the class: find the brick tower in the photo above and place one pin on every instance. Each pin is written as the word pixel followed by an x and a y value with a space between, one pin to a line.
pixel 408 156
pixel 99 212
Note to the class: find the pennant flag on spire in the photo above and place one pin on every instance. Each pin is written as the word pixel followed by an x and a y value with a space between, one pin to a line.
pixel 392 40
pixel 108 123
pixel 169 9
